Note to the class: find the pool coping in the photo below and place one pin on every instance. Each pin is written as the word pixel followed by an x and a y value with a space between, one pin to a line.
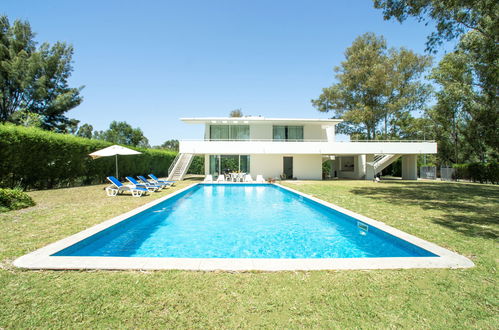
pixel 43 259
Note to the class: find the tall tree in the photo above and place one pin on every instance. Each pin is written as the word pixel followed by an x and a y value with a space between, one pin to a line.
pixel 236 113
pixel 170 145
pixel 86 131
pixel 474 67
pixel 35 80
pixel 123 133
pixel 376 87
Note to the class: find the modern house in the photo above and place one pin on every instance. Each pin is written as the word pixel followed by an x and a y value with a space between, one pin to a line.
pixel 292 148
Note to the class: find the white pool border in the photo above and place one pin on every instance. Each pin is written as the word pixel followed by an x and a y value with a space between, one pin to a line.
pixel 42 259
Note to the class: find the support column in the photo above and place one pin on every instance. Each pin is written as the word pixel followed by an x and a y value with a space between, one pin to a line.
pixel 330 132
pixel 360 166
pixel 369 167
pixel 409 167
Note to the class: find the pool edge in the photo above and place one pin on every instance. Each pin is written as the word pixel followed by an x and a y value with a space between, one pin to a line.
pixel 42 258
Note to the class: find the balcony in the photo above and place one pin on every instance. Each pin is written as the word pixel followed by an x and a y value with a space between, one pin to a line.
pixel 304 147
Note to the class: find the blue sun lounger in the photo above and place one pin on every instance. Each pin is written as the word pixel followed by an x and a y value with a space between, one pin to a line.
pixel 156 180
pixel 145 181
pixel 150 187
pixel 118 187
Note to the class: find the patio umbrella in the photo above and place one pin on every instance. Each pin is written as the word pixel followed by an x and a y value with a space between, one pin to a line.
pixel 113 151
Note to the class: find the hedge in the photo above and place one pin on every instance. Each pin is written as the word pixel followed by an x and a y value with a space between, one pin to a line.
pixel 477 172
pixel 32 158
pixel 14 199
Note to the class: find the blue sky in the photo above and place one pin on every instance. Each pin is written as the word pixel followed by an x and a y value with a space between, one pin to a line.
pixel 151 62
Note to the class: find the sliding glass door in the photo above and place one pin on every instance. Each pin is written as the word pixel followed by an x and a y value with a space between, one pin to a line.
pixel 287 133
pixel 229 132
pixel 229 163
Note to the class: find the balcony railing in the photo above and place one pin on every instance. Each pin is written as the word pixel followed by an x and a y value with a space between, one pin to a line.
pixel 309 140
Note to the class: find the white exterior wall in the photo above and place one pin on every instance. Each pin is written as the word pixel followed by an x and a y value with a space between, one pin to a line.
pixel 261 132
pixel 264 131
pixel 305 167
pixel 325 148
pixel 313 132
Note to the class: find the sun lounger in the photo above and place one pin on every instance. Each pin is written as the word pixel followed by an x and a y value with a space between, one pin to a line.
pixel 221 178
pixel 259 178
pixel 118 187
pixel 147 182
pixel 208 178
pixel 156 180
pixel 248 178
pixel 149 187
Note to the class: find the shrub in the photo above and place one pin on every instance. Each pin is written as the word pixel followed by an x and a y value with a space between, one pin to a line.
pixel 478 172
pixel 35 159
pixel 14 199
pixel 197 165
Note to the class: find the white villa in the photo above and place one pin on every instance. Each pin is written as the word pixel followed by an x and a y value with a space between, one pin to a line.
pixel 291 148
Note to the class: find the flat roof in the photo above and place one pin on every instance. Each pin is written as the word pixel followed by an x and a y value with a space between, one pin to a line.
pixel 251 119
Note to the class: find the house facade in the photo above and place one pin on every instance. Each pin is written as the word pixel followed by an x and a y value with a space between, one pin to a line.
pixel 292 148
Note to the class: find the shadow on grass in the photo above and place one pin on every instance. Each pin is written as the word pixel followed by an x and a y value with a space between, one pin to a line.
pixel 468 208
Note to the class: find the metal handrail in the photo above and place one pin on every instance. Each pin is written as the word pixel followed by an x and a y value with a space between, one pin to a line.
pixel 173 163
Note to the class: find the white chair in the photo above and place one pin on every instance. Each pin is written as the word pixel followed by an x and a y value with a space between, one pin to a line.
pixel 259 178
pixel 221 178
pixel 208 178
pixel 248 178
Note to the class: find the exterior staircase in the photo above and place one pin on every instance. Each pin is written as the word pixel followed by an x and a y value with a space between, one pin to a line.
pixel 380 162
pixel 179 167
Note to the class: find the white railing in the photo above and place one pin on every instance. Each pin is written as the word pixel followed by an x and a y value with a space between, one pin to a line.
pixel 309 140
pixel 172 165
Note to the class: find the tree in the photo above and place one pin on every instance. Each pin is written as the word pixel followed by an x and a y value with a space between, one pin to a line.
pixel 476 25
pixel 236 113
pixel 376 85
pixel 452 18
pixel 35 80
pixel 86 131
pixel 123 133
pixel 170 145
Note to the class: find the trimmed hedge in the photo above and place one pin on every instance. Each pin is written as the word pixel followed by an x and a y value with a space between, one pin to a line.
pixel 14 199
pixel 477 172
pixel 32 158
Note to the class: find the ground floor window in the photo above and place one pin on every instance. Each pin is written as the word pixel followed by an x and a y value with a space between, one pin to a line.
pixel 229 163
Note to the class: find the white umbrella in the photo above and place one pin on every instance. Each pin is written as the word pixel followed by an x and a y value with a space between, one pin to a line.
pixel 113 151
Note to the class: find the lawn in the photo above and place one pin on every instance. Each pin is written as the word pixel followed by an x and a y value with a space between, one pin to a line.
pixel 460 217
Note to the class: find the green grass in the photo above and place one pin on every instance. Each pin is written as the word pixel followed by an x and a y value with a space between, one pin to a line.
pixel 460 217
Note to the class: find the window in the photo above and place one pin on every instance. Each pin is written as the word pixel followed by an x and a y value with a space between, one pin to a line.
pixel 239 132
pixel 288 133
pixel 229 132
pixel 229 163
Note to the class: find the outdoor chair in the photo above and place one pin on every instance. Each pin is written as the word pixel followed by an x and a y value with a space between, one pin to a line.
pixel 156 180
pixel 118 187
pixel 147 182
pixel 149 187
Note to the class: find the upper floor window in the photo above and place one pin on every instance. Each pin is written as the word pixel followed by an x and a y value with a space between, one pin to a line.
pixel 229 132
pixel 288 133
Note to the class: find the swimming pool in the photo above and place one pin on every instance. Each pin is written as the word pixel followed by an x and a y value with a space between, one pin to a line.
pixel 246 224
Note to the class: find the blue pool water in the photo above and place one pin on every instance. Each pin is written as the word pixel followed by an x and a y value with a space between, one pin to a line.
pixel 242 221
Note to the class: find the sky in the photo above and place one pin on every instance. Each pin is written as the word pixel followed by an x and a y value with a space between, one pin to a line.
pixel 150 63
